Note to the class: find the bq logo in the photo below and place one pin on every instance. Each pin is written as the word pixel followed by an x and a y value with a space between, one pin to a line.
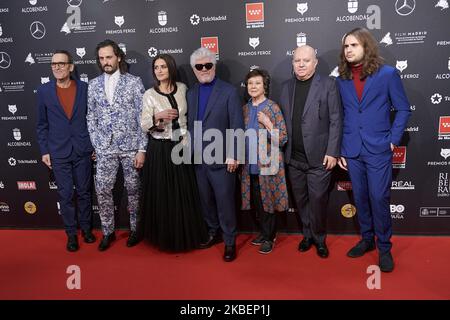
pixel 444 128
pixel 254 15
pixel 399 157
pixel 211 43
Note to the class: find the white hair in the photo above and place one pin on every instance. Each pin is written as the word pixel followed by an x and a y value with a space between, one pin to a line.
pixel 202 52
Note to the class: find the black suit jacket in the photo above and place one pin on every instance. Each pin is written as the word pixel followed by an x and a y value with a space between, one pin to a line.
pixel 321 121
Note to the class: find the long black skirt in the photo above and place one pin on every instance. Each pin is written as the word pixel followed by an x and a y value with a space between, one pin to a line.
pixel 170 207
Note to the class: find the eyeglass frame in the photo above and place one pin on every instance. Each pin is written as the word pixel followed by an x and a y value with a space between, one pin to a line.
pixel 204 65
pixel 55 65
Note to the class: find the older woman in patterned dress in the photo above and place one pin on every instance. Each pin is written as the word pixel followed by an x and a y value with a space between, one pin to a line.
pixel 263 179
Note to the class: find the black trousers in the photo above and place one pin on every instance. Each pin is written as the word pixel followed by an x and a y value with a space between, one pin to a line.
pixel 267 220
pixel 310 191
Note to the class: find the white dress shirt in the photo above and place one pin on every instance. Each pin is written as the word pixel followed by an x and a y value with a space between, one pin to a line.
pixel 111 81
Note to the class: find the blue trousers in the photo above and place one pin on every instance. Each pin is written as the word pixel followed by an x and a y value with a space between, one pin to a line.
pixel 217 197
pixel 74 170
pixel 371 176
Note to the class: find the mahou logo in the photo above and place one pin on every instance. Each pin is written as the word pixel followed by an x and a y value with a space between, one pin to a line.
pixel 26 185
pixel 254 15
pixel 211 43
pixel 399 157
pixel 444 128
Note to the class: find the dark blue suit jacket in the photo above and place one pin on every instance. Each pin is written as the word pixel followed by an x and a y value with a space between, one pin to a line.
pixel 223 111
pixel 369 120
pixel 57 134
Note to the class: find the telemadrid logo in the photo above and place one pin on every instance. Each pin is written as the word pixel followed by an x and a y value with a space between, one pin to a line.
pixel 195 19
pixel 37 30
pixel 436 98
pixel 5 60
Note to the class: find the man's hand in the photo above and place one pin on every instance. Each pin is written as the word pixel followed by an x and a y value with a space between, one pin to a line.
pixel 342 163
pixel 329 162
pixel 46 160
pixel 139 160
pixel 93 156
pixel 232 164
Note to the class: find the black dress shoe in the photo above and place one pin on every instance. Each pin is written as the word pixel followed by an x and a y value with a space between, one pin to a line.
pixel 106 241
pixel 230 253
pixel 361 248
pixel 133 239
pixel 212 240
pixel 305 244
pixel 322 250
pixel 88 236
pixel 72 243
pixel 386 262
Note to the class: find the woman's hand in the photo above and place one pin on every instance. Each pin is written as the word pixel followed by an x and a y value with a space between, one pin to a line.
pixel 264 120
pixel 166 115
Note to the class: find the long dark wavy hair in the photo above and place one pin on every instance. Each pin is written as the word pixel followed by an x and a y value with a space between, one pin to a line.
pixel 372 60
pixel 171 65
pixel 123 66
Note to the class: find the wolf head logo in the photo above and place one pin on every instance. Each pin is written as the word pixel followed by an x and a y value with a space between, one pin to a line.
pixel 119 20
pixel 302 7
pixel 253 42
pixel 81 52
pixel 12 108
pixel 445 153
pixel 401 65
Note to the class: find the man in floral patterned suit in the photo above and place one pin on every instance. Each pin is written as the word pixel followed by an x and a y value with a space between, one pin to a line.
pixel 114 111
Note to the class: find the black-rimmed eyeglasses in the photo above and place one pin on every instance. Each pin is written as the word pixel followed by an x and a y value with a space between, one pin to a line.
pixel 59 64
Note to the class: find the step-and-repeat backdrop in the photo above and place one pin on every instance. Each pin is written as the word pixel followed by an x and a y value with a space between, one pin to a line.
pixel 413 36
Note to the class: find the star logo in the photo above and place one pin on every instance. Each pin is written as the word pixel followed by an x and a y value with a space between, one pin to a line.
pixel 152 52
pixel 436 98
pixel 12 162
pixel 195 19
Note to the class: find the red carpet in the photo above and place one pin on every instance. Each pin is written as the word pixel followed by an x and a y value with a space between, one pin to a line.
pixel 33 265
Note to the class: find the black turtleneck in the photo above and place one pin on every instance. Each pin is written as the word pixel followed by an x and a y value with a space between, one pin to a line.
pixel 301 93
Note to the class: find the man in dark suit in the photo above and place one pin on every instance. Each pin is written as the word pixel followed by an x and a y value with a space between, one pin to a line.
pixel 369 89
pixel 214 106
pixel 313 115
pixel 65 145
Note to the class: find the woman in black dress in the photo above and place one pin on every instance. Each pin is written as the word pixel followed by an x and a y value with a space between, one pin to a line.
pixel 170 210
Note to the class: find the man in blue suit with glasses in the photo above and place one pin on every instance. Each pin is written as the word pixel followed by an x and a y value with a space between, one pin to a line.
pixel 65 146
